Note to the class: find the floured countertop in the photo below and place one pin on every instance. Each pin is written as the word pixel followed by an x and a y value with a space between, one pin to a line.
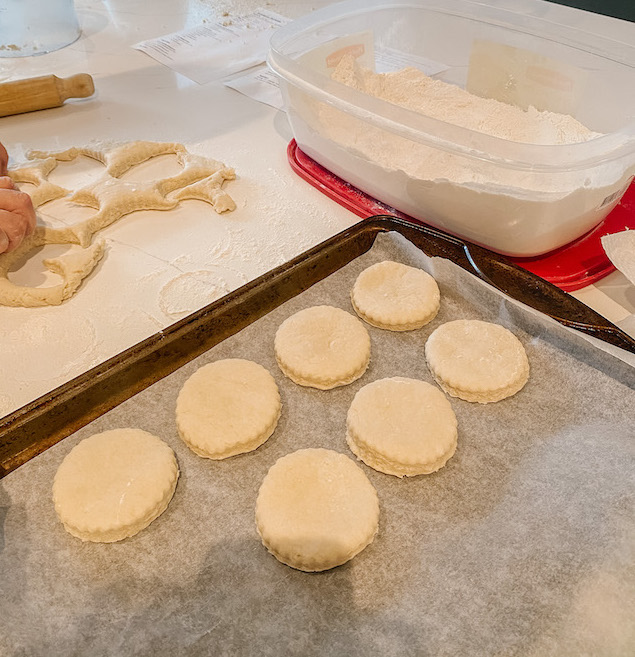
pixel 159 265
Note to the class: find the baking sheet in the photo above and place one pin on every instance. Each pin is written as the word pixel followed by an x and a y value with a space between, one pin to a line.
pixel 522 545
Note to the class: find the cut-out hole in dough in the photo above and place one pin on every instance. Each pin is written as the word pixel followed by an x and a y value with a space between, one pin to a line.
pixel 61 213
pixel 161 166
pixel 32 272
pixel 77 173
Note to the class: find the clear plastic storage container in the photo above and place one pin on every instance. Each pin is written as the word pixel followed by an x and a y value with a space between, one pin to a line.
pixel 517 198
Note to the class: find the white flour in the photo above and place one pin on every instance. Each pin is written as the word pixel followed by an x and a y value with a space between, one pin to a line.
pixel 455 181
pixel 413 90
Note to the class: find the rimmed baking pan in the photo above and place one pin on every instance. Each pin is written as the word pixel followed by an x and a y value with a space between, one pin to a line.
pixel 36 426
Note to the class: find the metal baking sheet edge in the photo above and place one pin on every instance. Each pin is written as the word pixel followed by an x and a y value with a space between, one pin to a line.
pixel 40 424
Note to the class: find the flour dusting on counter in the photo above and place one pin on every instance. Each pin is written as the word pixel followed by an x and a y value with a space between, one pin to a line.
pixel 153 253
pixel 190 291
pixel 37 334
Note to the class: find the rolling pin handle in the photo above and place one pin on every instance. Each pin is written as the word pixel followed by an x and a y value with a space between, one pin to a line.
pixel 76 86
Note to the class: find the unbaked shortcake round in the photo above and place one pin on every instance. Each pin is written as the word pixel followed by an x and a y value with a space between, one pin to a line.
pixel 402 427
pixel 322 347
pixel 477 361
pixel 394 296
pixel 228 407
pixel 114 484
pixel 316 509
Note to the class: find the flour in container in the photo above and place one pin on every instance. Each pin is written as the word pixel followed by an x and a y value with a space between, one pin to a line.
pixel 413 90
pixel 490 172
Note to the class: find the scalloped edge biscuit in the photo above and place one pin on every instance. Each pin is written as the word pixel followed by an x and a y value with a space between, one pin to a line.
pixel 228 407
pixel 402 427
pixel 322 347
pixel 316 509
pixel 477 361
pixel 395 297
pixel 114 484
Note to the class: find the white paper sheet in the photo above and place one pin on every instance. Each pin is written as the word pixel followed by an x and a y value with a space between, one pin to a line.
pixel 263 84
pixel 620 248
pixel 214 50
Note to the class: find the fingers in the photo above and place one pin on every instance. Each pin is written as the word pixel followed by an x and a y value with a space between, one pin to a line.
pixel 17 218
pixel 19 203
pixel 6 183
pixel 4 160
pixel 14 227
pixel 14 200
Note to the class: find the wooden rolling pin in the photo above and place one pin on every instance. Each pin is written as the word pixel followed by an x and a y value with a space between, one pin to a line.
pixel 43 92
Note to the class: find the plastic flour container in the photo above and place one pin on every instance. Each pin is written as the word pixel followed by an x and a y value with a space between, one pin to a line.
pixel 521 199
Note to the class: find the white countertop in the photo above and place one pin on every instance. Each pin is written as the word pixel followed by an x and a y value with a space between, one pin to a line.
pixel 151 254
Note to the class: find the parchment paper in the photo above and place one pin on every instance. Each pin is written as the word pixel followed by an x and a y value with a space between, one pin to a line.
pixel 522 545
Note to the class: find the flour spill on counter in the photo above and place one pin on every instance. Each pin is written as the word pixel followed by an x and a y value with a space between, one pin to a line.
pixel 45 333
pixel 190 291
pixel 153 253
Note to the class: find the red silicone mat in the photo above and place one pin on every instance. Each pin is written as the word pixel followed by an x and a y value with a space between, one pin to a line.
pixel 570 267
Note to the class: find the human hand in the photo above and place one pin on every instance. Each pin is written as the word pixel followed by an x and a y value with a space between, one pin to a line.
pixel 4 160
pixel 17 215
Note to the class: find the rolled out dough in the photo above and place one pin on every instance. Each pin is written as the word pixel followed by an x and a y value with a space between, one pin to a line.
pixel 228 407
pixel 477 361
pixel 402 427
pixel 322 347
pixel 394 296
pixel 200 178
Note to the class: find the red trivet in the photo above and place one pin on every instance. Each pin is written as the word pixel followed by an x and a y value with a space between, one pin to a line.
pixel 570 267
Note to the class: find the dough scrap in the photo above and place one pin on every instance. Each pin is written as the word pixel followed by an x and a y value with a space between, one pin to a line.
pixel 322 347
pixel 477 361
pixel 228 407
pixel 37 174
pixel 200 178
pixel 394 296
pixel 316 509
pixel 402 427
pixel 117 158
pixel 114 484
pixel 73 269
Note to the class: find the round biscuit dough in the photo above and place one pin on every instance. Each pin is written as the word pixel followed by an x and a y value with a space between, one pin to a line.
pixel 394 296
pixel 322 347
pixel 402 427
pixel 316 509
pixel 477 361
pixel 227 407
pixel 114 484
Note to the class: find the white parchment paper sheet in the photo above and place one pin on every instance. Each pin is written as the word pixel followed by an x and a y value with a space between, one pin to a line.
pixel 522 545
